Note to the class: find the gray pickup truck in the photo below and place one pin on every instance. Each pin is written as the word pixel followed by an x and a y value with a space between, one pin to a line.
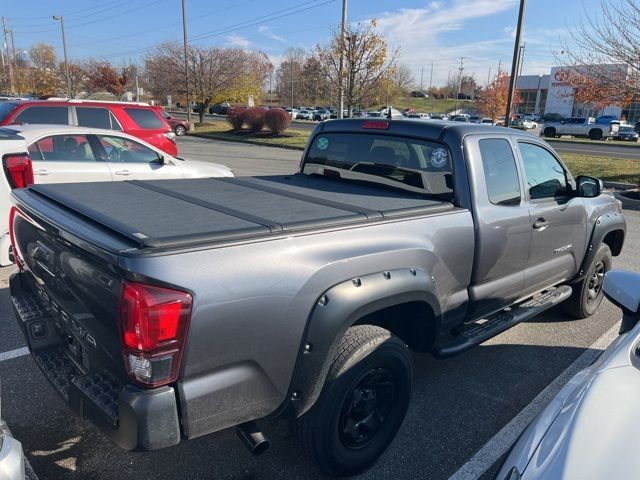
pixel 166 310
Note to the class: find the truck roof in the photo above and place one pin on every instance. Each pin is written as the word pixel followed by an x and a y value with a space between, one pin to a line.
pixel 431 129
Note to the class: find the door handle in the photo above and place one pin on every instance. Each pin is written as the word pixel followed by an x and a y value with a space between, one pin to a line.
pixel 123 172
pixel 540 224
pixel 42 171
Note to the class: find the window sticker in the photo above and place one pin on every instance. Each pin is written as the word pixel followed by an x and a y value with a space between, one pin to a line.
pixel 323 143
pixel 439 158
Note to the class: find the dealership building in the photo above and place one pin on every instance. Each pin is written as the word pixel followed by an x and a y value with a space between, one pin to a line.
pixel 552 93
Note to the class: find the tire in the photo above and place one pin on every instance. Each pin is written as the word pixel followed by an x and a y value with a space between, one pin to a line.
pixel 595 134
pixel 549 132
pixel 180 130
pixel 587 294
pixel 373 372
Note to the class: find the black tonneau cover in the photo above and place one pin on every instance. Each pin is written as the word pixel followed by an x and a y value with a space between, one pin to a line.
pixel 172 213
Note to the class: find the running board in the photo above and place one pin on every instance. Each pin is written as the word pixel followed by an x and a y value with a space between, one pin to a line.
pixel 480 331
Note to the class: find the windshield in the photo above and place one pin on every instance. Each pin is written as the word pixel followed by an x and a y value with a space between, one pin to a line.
pixel 5 109
pixel 418 166
pixel 626 128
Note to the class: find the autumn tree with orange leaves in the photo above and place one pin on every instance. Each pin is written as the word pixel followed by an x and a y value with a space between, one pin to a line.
pixel 493 101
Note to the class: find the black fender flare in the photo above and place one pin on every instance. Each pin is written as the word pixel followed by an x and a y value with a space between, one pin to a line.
pixel 340 307
pixel 604 224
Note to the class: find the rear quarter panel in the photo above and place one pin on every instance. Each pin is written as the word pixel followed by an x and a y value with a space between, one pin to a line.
pixel 252 302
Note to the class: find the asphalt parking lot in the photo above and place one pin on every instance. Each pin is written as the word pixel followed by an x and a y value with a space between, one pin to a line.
pixel 459 404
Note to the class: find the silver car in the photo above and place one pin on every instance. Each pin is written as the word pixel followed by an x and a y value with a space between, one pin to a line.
pixel 590 429
pixel 11 458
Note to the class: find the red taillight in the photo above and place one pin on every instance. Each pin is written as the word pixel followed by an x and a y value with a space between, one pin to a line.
pixel 154 323
pixel 375 124
pixel 19 170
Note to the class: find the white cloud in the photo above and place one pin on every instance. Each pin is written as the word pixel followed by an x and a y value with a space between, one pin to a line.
pixel 417 33
pixel 238 41
pixel 267 32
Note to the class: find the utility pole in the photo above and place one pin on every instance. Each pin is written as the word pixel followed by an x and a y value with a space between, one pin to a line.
pixel 431 77
pixel 459 82
pixel 421 75
pixel 446 90
pixel 137 90
pixel 186 61
pixel 343 26
pixel 499 67
pixel 489 76
pixel 514 63
pixel 291 70
pixel 522 47
pixel 15 59
pixel 64 48
pixel 6 45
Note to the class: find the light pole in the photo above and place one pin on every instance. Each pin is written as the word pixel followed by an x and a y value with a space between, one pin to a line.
pixel 514 63
pixel 343 26
pixel 186 62
pixel 64 48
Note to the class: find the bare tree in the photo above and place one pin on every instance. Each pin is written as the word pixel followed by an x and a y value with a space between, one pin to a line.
pixel 402 78
pixel 289 76
pixel 605 61
pixel 215 74
pixel 367 62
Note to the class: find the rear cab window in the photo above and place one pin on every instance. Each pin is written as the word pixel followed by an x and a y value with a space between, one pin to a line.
pixel 146 119
pixel 415 165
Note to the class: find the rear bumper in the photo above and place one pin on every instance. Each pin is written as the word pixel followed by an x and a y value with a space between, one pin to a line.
pixel 11 457
pixel 131 417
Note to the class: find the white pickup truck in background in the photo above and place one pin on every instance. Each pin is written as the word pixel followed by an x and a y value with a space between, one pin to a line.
pixel 581 127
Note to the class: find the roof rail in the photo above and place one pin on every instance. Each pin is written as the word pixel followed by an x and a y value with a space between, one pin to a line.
pixel 88 100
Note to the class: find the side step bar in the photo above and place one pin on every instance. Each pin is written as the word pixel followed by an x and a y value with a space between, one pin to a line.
pixel 482 330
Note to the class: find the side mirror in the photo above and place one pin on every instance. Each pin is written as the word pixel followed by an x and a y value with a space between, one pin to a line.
pixel 589 187
pixel 623 289
pixel 161 160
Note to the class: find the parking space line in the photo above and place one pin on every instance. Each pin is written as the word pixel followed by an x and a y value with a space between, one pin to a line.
pixel 500 443
pixel 18 352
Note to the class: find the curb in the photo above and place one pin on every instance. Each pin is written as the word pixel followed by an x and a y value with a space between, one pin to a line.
pixel 628 203
pixel 241 140
pixel 619 185
pixel 592 142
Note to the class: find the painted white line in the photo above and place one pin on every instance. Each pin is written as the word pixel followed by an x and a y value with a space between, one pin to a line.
pixel 502 441
pixel 18 352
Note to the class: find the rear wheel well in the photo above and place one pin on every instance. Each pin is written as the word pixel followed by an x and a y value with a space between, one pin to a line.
pixel 413 322
pixel 614 240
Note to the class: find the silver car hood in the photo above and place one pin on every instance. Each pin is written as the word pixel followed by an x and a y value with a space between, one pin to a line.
pixel 589 429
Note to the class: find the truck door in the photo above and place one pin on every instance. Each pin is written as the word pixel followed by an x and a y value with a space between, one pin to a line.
pixel 557 219
pixel 503 232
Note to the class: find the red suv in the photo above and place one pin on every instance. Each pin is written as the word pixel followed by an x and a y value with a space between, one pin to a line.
pixel 137 119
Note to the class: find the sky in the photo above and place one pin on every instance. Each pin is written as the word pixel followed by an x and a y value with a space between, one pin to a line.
pixel 425 32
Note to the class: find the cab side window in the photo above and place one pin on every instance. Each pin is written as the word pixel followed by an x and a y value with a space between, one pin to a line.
pixel 546 178
pixel 500 171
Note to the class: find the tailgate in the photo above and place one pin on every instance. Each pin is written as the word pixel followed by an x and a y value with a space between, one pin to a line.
pixel 66 300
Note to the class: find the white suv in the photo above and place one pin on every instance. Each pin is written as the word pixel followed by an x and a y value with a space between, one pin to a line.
pixel 64 154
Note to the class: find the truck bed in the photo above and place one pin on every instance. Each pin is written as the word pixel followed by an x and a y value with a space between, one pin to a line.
pixel 178 213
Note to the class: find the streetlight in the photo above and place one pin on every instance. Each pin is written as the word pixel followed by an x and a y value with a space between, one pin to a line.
pixel 185 42
pixel 64 47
